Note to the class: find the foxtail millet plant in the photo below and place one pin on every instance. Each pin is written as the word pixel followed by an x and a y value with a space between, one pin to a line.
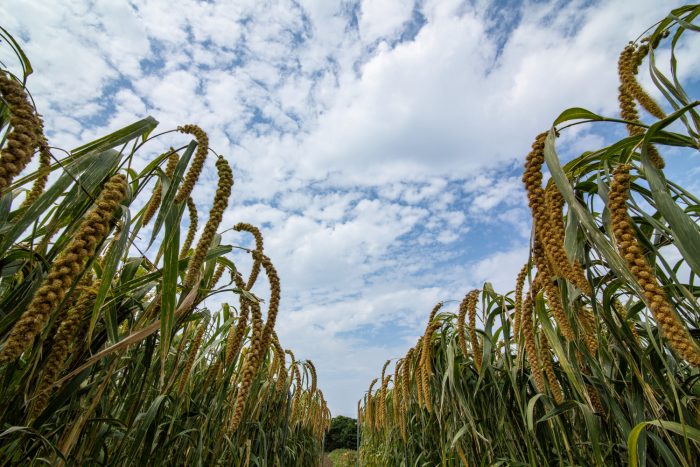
pixel 66 269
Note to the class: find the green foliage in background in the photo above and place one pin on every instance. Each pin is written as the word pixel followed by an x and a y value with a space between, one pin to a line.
pixel 341 434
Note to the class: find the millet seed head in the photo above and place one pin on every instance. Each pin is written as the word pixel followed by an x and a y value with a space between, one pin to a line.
pixel 625 236
pixel 223 192
pixel 25 135
pixel 65 270
pixel 197 164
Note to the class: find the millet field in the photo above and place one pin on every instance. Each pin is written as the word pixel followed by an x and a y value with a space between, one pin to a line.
pixel 109 354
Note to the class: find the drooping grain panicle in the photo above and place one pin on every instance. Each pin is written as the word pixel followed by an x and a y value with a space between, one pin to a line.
pixel 424 355
pixel 275 294
pixel 405 391
pixel 235 334
pixel 218 274
pixel 24 137
pixel 191 229
pixel 517 300
pixel 223 192
pixel 62 342
pixel 66 269
pixel 527 327
pixel 557 309
pixel 551 290
pixel 554 238
pixel 197 164
pixel 628 77
pixel 245 227
pixel 532 179
pixel 194 348
pixel 281 373
pixel 369 411
pixel 587 322
pixel 472 298
pixel 381 409
pixel 314 378
pixel 547 222
pixel 461 330
pixel 154 202
pixel 626 239
pixel 42 173
pixel 554 385
pixel 425 366
pixel 628 63
pixel 396 393
pixel 250 368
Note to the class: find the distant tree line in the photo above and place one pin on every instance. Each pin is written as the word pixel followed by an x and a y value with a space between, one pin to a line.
pixel 342 434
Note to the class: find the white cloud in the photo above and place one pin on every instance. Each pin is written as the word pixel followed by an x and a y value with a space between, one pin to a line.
pixel 382 19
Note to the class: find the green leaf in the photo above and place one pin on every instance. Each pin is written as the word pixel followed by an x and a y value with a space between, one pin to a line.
pixel 576 113
pixel 117 138
pixel 26 65
pixel 171 244
pixel 681 429
pixel 685 230
pixel 171 191
pixel 109 270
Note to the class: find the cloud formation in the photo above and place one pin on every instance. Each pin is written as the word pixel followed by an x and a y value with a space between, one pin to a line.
pixel 377 144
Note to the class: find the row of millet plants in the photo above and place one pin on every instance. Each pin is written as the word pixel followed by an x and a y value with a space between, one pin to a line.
pixel 594 358
pixel 108 354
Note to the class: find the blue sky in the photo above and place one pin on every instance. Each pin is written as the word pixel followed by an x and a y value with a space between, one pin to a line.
pixel 379 144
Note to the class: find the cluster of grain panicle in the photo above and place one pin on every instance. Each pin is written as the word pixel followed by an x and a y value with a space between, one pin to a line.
pixel 261 344
pixel 673 328
pixel 548 249
pixel 62 342
pixel 67 267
